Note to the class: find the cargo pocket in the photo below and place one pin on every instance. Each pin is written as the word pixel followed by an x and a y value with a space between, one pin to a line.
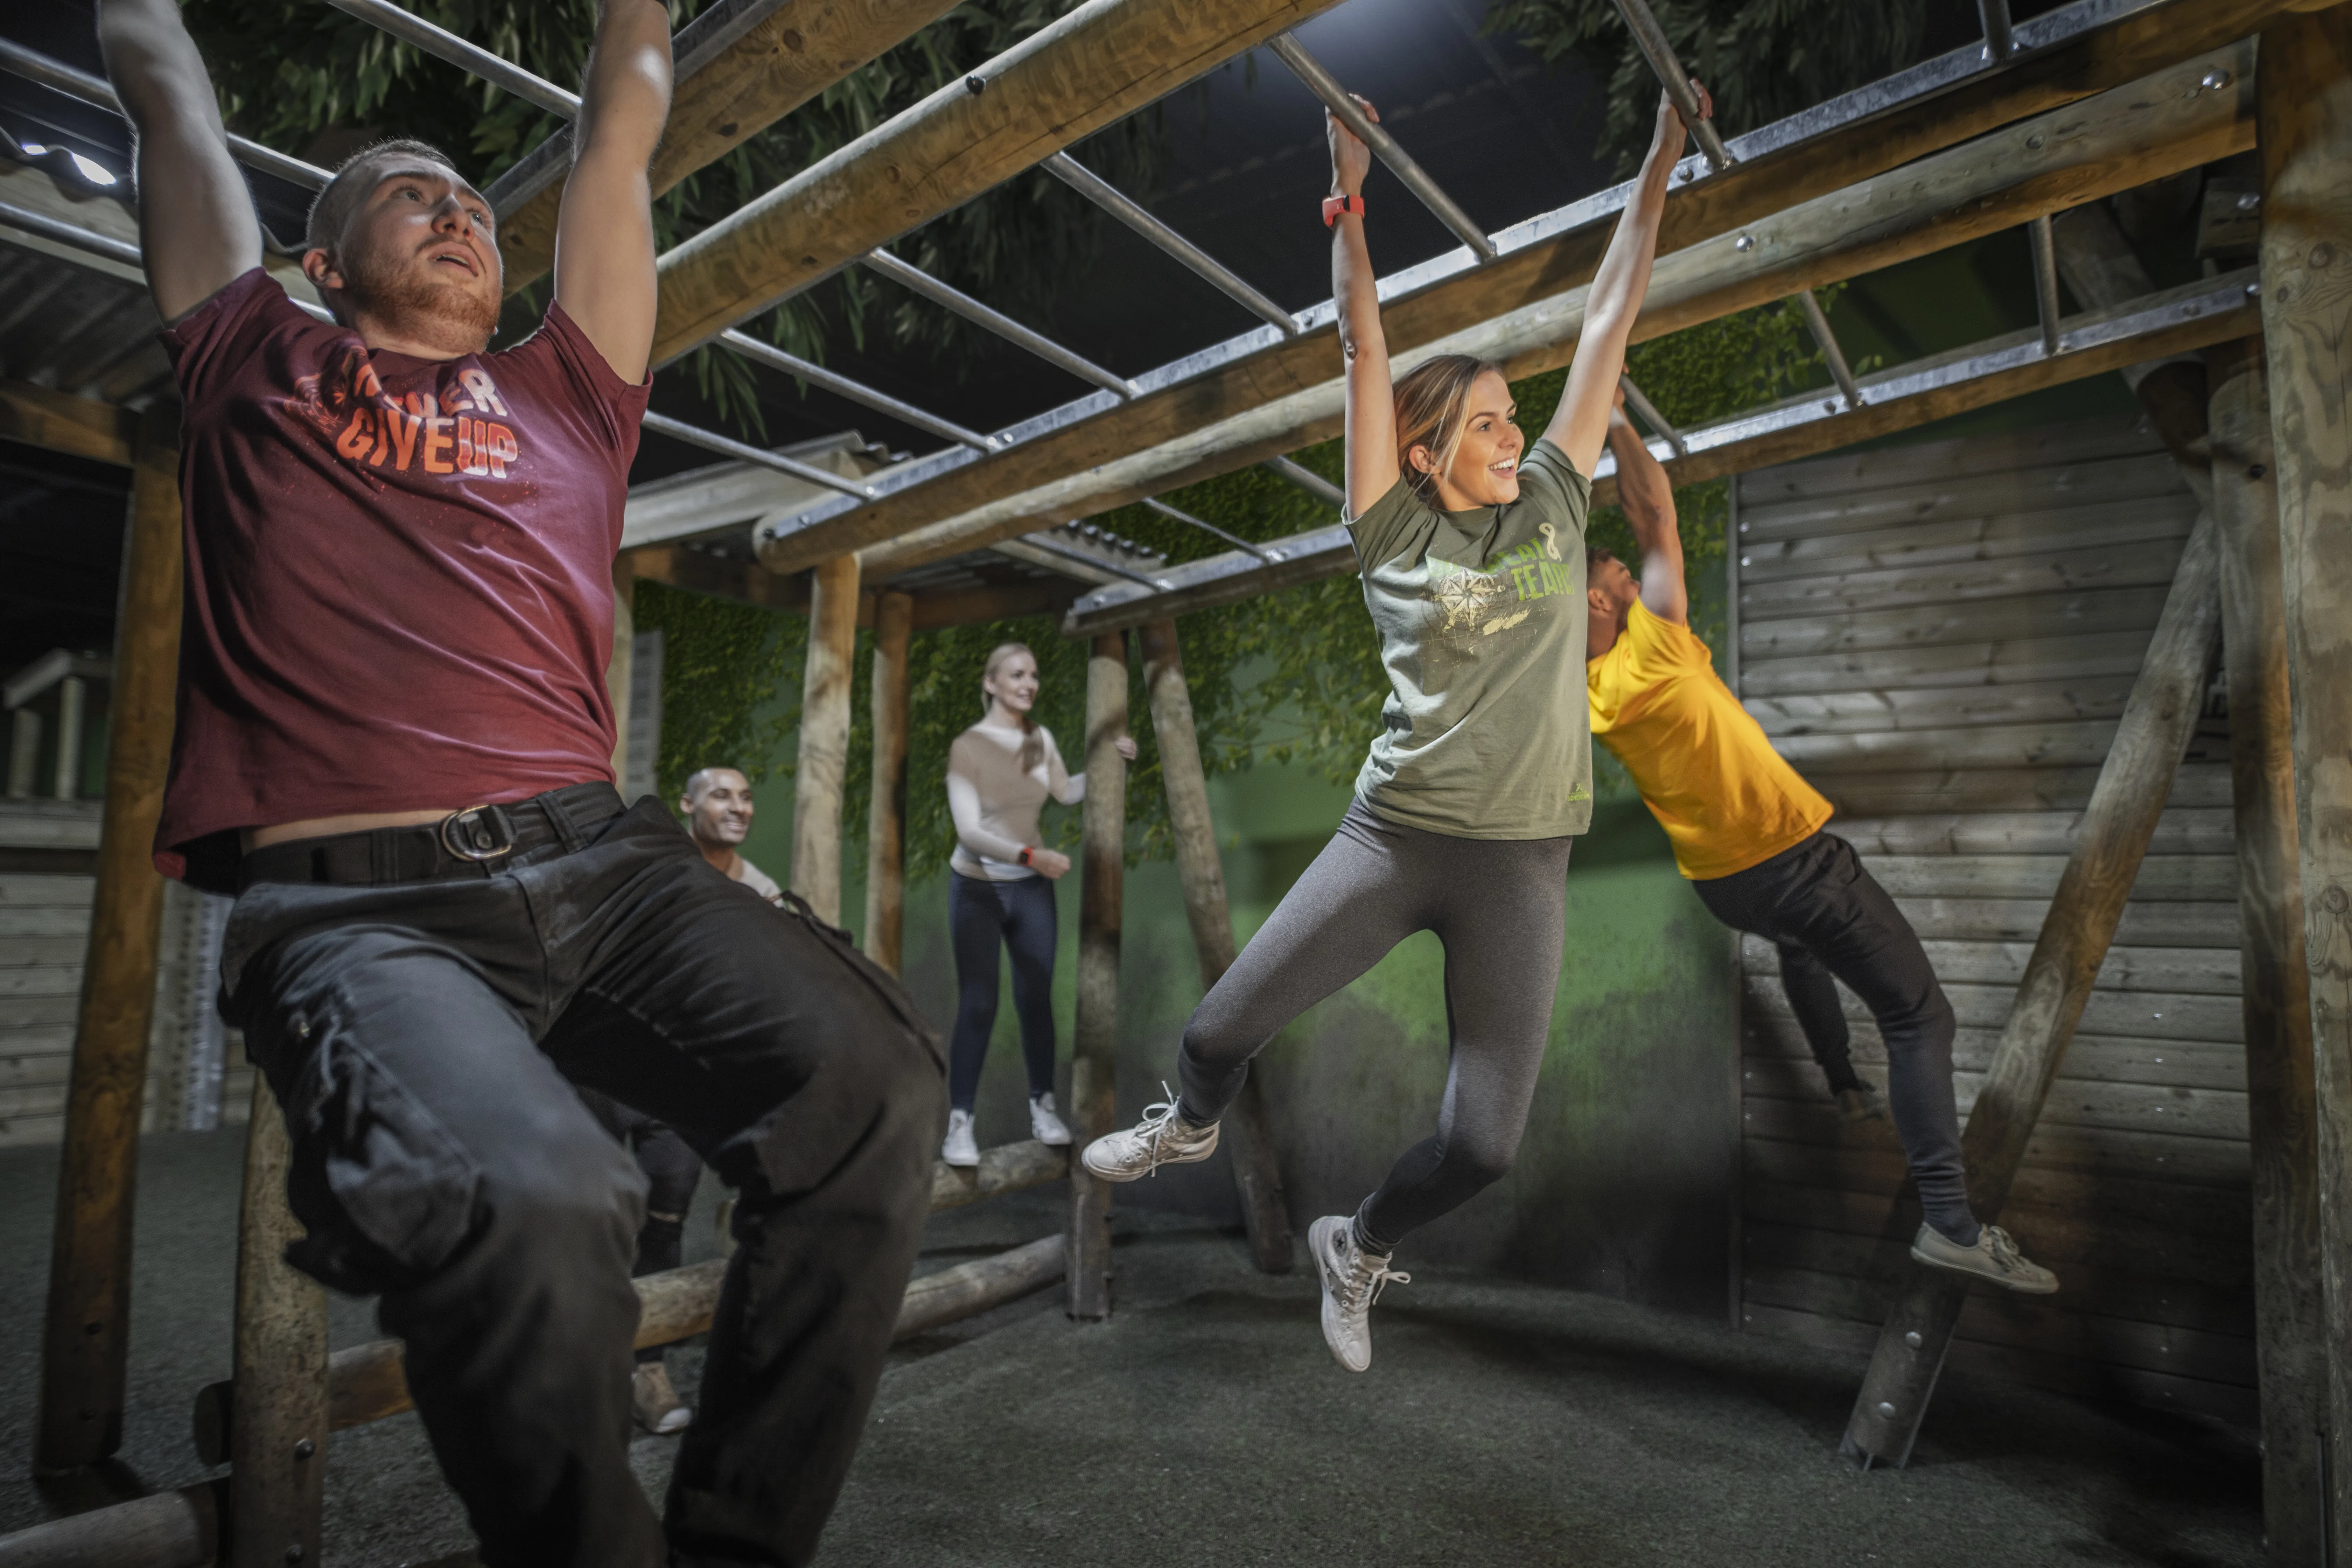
pixel 385 1193
pixel 885 985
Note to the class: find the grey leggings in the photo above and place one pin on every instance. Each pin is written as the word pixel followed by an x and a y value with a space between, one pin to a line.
pixel 1500 907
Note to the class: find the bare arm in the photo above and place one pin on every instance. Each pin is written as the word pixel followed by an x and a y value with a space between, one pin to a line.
pixel 605 231
pixel 1582 420
pixel 1371 462
pixel 196 225
pixel 1649 502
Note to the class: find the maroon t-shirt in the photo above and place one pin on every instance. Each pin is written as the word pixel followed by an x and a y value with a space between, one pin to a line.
pixel 399 571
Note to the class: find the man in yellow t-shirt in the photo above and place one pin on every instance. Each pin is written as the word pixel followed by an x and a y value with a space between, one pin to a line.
pixel 1748 831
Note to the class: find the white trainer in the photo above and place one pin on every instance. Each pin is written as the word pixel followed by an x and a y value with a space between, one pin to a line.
pixel 959 1147
pixel 655 1402
pixel 1352 1279
pixel 1043 1125
pixel 1994 1258
pixel 1162 1138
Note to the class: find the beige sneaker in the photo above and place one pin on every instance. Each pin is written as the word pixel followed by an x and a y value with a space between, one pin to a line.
pixel 659 1409
pixel 1352 1281
pixel 1994 1258
pixel 1162 1138
pixel 1860 1103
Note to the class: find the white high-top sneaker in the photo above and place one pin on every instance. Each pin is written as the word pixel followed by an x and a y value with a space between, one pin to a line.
pixel 1162 1138
pixel 1352 1279
pixel 959 1147
pixel 1043 1125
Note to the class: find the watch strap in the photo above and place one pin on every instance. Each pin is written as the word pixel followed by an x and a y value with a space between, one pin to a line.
pixel 1334 205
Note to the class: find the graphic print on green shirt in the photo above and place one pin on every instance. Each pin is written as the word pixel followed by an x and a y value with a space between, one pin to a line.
pixel 1488 729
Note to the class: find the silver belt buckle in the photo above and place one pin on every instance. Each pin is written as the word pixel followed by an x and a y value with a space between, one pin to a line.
pixel 478 833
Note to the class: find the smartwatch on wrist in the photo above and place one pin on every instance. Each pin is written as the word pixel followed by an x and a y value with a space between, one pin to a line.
pixel 1334 205
pixel 1025 854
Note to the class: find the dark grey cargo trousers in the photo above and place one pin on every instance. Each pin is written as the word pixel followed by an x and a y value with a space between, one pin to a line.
pixel 425 1037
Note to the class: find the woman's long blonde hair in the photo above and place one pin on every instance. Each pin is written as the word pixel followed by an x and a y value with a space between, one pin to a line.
pixel 1433 410
pixel 1033 740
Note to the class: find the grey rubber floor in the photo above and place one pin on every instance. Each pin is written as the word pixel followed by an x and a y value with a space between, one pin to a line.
pixel 1502 1423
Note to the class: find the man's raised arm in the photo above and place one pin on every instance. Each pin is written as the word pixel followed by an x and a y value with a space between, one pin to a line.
pixel 604 232
pixel 1648 498
pixel 196 224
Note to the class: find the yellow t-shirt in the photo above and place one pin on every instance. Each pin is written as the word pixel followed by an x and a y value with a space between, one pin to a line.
pixel 1726 798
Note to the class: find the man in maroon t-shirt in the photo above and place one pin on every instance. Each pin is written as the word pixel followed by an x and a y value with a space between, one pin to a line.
pixel 393 745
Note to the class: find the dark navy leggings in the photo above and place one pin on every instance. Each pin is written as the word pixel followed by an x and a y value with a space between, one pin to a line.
pixel 1020 915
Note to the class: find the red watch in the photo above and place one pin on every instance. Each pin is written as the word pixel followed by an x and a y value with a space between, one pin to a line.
pixel 1025 854
pixel 1334 205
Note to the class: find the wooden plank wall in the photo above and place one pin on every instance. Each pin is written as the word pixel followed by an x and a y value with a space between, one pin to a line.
pixel 1941 636
pixel 43 933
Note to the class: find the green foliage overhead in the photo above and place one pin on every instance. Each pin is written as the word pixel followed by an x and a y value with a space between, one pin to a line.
pixel 289 70
pixel 730 684
pixel 1761 59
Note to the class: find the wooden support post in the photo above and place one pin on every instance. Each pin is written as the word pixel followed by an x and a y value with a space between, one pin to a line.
pixel 886 819
pixel 277 1402
pixel 86 1337
pixel 2157 721
pixel 2290 1327
pixel 1093 1051
pixel 2303 92
pixel 1250 1136
pixel 825 737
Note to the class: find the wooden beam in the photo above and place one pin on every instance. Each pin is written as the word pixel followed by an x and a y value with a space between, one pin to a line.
pixel 2305 93
pixel 1094 66
pixel 824 769
pixel 886 820
pixel 60 422
pixel 2214 310
pixel 754 585
pixel 2121 819
pixel 86 1338
pixel 785 57
pixel 279 1393
pixel 982 1283
pixel 1864 197
pixel 1094 1049
pixel 1250 1134
pixel 2290 1319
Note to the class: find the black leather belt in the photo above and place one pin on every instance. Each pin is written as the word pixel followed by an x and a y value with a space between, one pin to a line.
pixel 476 842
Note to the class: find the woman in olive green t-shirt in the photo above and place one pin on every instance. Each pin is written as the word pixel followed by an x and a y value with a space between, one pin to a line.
pixel 1472 550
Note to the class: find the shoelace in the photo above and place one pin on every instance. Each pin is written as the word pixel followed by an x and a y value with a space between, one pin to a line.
pixel 2005 1251
pixel 1158 1117
pixel 1366 1278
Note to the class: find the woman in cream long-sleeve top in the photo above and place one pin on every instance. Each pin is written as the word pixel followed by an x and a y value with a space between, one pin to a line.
pixel 1000 889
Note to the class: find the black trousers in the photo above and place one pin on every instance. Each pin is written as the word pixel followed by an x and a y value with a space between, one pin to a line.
pixel 1830 919
pixel 423 1038
pixel 1020 916
pixel 672 1170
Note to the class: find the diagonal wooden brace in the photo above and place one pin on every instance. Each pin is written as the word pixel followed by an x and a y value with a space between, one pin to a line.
pixel 2156 724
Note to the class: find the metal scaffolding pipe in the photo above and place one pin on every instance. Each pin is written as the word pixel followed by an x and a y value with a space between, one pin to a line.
pixel 1308 480
pixel 1003 326
pixel 741 451
pixel 1117 203
pixel 1818 323
pixel 443 45
pixel 1325 86
pixel 1651 39
pixel 1042 539
pixel 2045 270
pixel 774 358
pixel 64 233
pixel 1641 404
pixel 59 77
pixel 1999 43
pixel 1181 515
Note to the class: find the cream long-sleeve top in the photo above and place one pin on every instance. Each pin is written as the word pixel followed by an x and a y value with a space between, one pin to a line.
pixel 996 805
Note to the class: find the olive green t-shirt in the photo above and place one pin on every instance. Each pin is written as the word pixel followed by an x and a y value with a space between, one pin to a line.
pixel 1481 616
